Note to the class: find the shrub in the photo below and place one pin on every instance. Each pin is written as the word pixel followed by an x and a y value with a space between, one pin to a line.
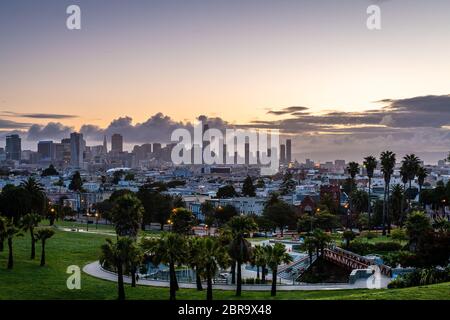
pixel 387 246
pixel 421 277
pixel 404 258
pixel 360 247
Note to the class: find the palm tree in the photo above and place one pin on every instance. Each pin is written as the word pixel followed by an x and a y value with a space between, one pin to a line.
pixel 194 246
pixel 412 165
pixel 37 195
pixel 387 159
pixel 29 222
pixel 127 215
pixel 116 255
pixel 43 234
pixel 422 173
pixel 240 247
pixel 352 170
pixel 212 257
pixel 169 249
pixel 309 245
pixel 370 163
pixel 276 255
pixel 404 177
pixel 3 224
pixel 11 232
pixel 134 258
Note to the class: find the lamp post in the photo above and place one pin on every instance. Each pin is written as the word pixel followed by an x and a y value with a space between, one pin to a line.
pixel 87 221
pixel 96 221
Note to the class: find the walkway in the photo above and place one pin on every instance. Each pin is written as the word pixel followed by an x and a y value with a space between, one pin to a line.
pixel 94 269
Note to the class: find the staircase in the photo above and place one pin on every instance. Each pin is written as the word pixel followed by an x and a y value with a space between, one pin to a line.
pixel 295 269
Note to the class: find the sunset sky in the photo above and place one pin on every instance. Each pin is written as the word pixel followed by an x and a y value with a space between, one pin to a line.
pixel 237 60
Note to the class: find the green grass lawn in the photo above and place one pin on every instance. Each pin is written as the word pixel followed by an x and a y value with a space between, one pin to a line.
pixel 29 281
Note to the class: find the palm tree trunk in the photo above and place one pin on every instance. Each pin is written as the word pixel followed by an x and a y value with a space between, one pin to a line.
pixel 198 280
pixel 209 293
pixel 409 197
pixel 233 272
pixel 120 286
pixel 384 211
pixel 172 278
pixel 263 274
pixel 388 216
pixel 273 291
pixel 33 244
pixel 10 255
pixel 43 253
pixel 239 279
pixel 257 272
pixel 369 205
pixel 133 276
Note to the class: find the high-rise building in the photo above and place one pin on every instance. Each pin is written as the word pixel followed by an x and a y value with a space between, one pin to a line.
pixel 247 153
pixel 105 145
pixel 282 153
pixel 157 149
pixel 46 150
pixel 288 150
pixel 77 146
pixel 116 143
pixel 13 147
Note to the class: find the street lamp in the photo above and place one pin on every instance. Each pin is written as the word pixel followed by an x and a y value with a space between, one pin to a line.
pixel 96 221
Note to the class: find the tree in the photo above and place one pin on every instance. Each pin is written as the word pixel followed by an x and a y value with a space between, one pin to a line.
pixel 29 222
pixel 11 231
pixel 288 184
pixel 50 171
pixel 213 256
pixel 182 221
pixel 348 236
pixel 309 245
pixel 169 249
pixel 3 225
pixel 43 234
pixel 397 204
pixel 422 173
pixel 194 252
pixel 360 200
pixel 281 214
pixel 240 247
pixel 15 202
pixel 417 225
pixel 227 191
pixel 248 189
pixel 276 255
pixel 370 163
pixel 76 183
pixel 208 211
pixel 399 235
pixel 127 215
pixel 352 170
pixel 412 164
pixel 260 184
pixel 387 160
pixel 116 255
pixel 224 214
pixel 134 259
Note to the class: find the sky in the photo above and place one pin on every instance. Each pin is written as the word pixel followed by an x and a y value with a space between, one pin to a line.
pixel 308 67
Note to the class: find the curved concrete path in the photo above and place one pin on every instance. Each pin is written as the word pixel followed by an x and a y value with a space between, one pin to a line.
pixel 94 269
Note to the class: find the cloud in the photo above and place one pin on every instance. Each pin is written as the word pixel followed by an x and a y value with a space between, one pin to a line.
pixel 38 115
pixel 288 110
pixel 53 130
pixel 8 124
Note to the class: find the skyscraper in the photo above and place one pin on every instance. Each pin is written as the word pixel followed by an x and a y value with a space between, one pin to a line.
pixel 46 150
pixel 282 153
pixel 105 145
pixel 117 143
pixel 288 150
pixel 13 147
pixel 77 146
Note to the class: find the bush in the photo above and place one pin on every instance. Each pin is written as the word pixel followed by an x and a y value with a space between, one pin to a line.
pixel 404 258
pixel 370 235
pixel 421 277
pixel 361 248
pixel 387 246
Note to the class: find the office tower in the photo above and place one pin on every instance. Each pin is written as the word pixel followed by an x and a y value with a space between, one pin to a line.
pixel 282 153
pixel 46 150
pixel 105 145
pixel 77 146
pixel 13 147
pixel 288 150
pixel 157 149
pixel 206 139
pixel 116 143
pixel 247 153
